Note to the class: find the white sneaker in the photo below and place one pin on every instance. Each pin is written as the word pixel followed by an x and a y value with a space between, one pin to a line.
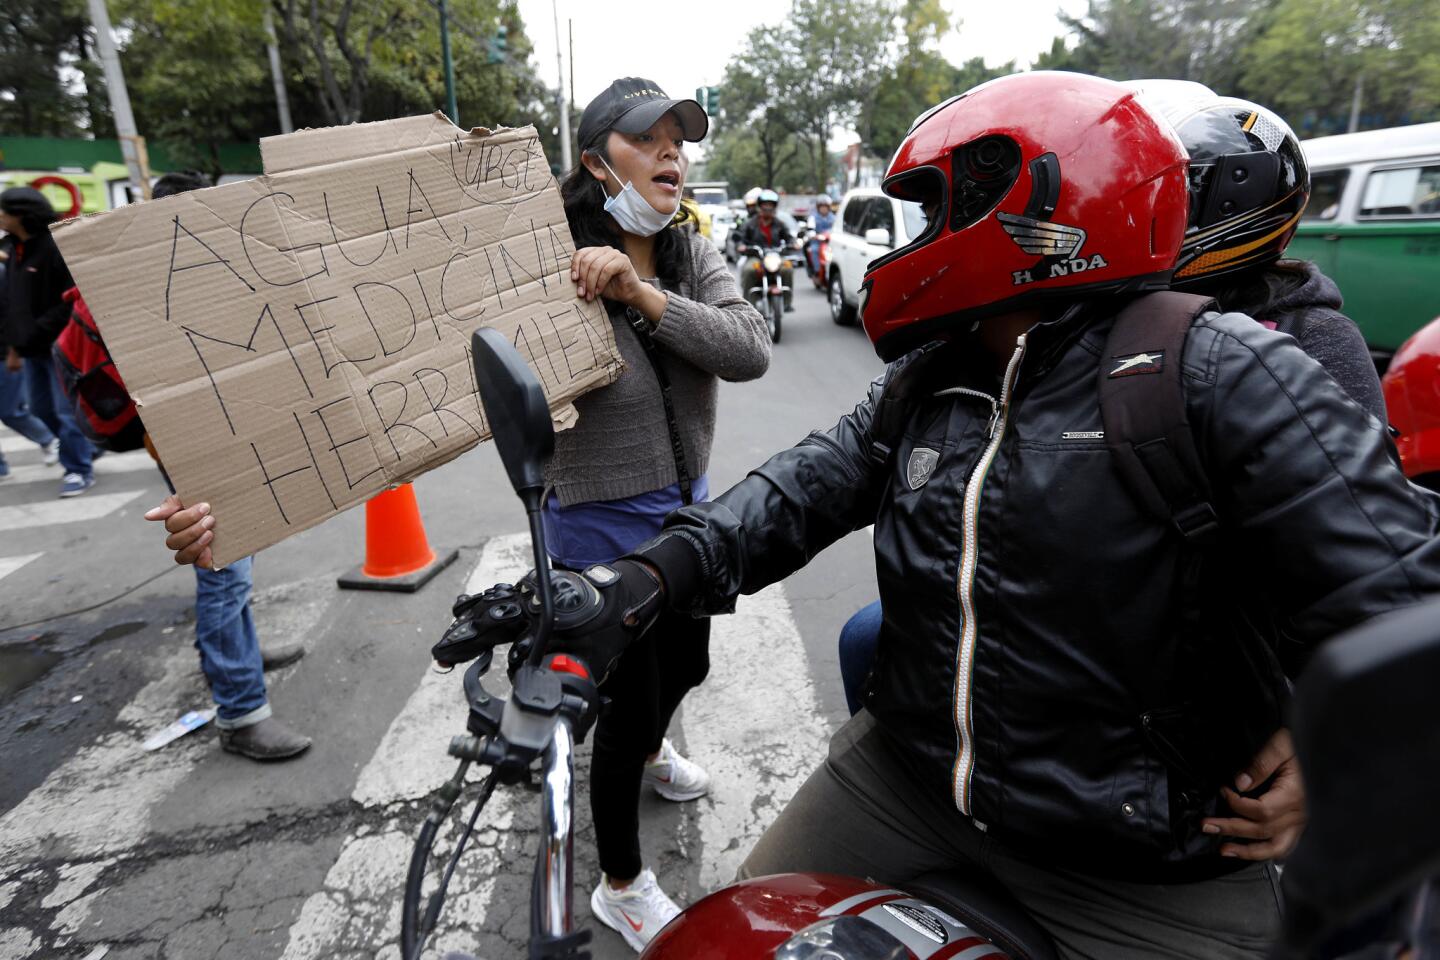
pixel 637 913
pixel 51 452
pixel 674 777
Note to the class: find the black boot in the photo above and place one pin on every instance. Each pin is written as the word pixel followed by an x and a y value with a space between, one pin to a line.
pixel 281 655
pixel 267 740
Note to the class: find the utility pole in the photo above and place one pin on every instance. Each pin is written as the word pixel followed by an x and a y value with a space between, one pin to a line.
pixel 132 145
pixel 571 26
pixel 282 99
pixel 560 92
pixel 1355 103
pixel 448 63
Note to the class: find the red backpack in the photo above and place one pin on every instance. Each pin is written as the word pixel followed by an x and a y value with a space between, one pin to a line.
pixel 103 407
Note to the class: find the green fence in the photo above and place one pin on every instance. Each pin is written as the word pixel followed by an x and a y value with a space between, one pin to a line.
pixel 56 153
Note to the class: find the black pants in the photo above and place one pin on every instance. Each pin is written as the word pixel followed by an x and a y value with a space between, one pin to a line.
pixel 644 689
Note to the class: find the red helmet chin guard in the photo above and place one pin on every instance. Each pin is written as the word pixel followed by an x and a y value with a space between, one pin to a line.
pixel 1037 186
pixel 1412 400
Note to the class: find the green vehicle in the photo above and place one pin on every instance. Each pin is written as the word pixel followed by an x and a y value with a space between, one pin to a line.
pixel 1373 225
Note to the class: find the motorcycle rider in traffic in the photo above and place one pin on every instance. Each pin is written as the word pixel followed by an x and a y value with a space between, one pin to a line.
pixel 823 221
pixel 1042 714
pixel 1057 704
pixel 766 230
pixel 1291 296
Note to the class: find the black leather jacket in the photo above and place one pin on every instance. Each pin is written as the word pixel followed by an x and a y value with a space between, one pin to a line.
pixel 1032 608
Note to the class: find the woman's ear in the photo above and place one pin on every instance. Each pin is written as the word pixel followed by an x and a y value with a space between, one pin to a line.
pixel 592 162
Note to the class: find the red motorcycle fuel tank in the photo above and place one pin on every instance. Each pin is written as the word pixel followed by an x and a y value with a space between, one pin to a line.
pixel 816 916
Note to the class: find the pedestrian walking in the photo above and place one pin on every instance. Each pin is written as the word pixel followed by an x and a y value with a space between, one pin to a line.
pixel 35 312
pixel 14 410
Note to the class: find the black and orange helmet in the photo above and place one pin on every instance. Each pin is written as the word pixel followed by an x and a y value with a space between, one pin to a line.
pixel 1249 182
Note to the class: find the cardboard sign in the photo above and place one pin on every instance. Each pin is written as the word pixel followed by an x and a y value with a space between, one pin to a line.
pixel 299 342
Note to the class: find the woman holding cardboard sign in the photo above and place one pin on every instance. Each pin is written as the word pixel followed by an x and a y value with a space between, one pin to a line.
pixel 681 325
pixel 639 451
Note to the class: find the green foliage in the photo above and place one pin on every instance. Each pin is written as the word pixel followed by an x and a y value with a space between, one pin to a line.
pixel 1304 58
pixel 198 74
pixel 794 84
pixel 39 39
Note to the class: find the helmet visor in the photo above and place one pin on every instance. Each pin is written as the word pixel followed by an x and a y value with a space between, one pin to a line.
pixel 927 189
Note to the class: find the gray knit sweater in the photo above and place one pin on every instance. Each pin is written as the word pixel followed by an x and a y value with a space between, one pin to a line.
pixel 621 446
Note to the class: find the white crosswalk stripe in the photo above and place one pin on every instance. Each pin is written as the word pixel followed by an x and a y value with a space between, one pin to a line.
pixel 97 808
pixel 9 565
pixel 11 442
pixel 91 506
pixel 112 464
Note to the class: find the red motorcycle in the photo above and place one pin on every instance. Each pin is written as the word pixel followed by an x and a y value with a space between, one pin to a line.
pixel 1359 690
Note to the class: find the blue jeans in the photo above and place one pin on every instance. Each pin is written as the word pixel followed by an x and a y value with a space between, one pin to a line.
pixel 48 402
pixel 858 639
pixel 229 647
pixel 15 411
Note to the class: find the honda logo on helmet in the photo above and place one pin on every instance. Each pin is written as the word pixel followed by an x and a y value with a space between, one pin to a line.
pixel 1058 243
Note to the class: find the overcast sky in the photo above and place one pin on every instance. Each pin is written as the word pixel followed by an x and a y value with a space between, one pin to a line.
pixel 685 45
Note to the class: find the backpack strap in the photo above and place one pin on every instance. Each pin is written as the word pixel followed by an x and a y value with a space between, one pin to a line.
pixel 1142 404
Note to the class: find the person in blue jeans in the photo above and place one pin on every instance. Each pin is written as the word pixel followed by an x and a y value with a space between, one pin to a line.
pixel 15 413
pixel 33 312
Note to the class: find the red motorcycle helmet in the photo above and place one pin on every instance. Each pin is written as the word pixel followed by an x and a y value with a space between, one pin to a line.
pixel 1412 400
pixel 1037 186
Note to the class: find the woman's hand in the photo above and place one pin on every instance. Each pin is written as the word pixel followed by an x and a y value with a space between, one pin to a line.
pixel 191 530
pixel 607 272
pixel 1273 821
pixel 13 360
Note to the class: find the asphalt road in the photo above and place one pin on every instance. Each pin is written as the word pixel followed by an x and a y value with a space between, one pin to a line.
pixel 188 853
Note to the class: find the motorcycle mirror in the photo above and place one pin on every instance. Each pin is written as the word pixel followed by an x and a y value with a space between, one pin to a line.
pixel 1367 734
pixel 517 411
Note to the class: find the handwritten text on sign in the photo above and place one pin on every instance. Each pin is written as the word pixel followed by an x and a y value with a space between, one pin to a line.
pixel 301 341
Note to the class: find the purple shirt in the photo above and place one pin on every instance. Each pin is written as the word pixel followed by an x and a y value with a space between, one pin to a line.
pixel 603 531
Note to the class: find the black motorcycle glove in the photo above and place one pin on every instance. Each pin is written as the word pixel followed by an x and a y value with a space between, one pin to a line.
pixel 598 613
pixel 601 611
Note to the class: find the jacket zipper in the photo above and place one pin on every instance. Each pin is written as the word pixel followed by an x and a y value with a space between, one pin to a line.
pixel 969 559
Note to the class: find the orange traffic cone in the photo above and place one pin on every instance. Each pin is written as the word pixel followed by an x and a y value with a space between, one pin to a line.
pixel 397 554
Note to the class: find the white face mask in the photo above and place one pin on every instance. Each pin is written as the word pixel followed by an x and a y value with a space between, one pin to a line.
pixel 632 211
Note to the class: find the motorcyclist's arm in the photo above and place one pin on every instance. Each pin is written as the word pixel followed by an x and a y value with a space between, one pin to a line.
pixel 771 523
pixel 715 329
pixel 1330 530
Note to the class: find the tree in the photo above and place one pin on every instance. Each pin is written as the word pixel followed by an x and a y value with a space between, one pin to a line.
pixel 751 104
pixel 197 76
pixel 920 78
pixel 834 56
pixel 40 41
pixel 1388 49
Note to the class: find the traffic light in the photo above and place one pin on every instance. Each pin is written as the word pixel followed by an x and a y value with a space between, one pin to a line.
pixel 709 98
pixel 497 46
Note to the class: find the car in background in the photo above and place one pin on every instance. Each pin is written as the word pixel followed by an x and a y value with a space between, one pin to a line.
pixel 868 225
pixel 712 197
pixel 1373 226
